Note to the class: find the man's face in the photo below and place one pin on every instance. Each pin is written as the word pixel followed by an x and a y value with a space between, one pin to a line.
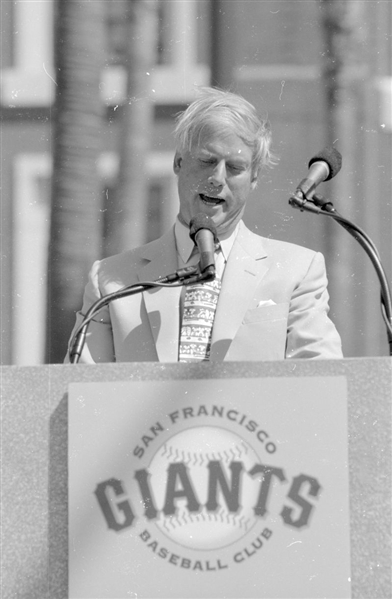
pixel 215 178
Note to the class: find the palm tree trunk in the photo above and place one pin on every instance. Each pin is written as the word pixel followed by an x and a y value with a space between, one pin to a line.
pixel 75 233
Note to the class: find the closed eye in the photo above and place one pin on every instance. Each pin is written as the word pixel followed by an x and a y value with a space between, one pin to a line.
pixel 236 167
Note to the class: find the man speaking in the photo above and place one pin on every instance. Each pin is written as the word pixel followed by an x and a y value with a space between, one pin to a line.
pixel 269 299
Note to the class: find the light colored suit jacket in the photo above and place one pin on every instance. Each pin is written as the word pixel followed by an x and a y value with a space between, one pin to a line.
pixel 273 305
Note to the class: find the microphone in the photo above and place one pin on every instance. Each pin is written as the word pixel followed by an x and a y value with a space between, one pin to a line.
pixel 203 234
pixel 322 167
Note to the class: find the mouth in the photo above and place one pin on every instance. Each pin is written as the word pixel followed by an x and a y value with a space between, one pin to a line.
pixel 210 201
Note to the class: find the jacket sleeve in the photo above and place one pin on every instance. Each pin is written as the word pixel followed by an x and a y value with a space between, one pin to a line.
pixel 310 332
pixel 99 342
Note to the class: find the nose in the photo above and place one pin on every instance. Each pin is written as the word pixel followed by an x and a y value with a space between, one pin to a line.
pixel 217 178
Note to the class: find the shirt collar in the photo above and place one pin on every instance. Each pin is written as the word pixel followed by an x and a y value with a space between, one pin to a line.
pixel 185 244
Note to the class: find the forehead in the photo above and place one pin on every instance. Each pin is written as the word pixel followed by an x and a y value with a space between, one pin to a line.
pixel 221 142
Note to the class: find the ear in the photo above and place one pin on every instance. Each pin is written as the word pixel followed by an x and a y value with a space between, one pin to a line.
pixel 177 163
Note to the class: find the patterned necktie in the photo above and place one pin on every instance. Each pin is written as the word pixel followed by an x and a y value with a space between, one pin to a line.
pixel 200 303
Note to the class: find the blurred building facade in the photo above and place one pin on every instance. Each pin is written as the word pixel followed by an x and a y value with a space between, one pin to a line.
pixel 271 52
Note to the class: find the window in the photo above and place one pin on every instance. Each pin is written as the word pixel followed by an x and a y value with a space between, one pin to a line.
pixel 27 62
pixel 182 52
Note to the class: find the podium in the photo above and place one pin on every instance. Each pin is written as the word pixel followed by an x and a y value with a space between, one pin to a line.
pixel 43 450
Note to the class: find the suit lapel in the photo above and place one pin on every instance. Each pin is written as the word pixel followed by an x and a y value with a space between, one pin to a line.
pixel 162 304
pixel 244 270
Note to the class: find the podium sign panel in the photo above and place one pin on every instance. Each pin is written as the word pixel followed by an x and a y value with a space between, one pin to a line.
pixel 209 488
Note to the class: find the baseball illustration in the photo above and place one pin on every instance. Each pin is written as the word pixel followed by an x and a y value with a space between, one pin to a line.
pixel 209 458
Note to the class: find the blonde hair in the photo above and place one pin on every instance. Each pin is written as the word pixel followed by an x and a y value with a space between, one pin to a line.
pixel 225 110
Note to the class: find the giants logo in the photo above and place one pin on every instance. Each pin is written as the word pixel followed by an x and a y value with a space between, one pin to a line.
pixel 204 488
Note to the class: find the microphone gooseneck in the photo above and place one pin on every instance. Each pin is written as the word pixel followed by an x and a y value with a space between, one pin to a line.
pixel 203 233
pixel 324 166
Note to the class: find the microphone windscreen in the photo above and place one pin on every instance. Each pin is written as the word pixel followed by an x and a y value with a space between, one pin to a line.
pixel 332 157
pixel 202 221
